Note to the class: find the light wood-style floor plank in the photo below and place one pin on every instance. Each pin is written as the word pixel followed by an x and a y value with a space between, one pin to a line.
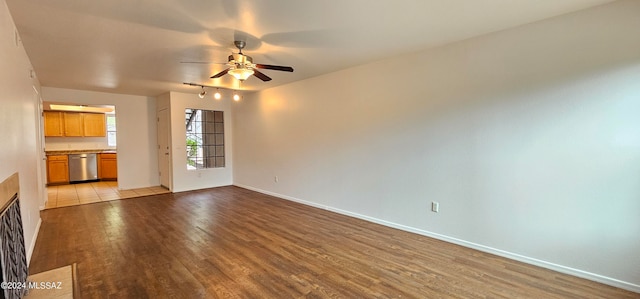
pixel 230 242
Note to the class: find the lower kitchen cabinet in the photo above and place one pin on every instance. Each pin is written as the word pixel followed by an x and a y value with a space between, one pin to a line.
pixel 57 169
pixel 108 166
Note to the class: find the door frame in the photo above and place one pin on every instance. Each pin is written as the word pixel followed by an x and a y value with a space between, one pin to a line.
pixel 164 133
pixel 41 172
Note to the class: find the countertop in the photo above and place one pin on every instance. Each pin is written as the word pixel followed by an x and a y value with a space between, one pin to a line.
pixel 84 151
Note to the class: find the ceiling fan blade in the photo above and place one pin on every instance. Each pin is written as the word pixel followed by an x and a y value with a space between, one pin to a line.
pixel 220 74
pixel 203 62
pixel 261 76
pixel 275 67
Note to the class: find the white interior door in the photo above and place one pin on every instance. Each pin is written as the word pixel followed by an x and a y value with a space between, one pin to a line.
pixel 41 171
pixel 164 152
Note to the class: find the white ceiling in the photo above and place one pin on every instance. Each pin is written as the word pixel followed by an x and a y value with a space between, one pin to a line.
pixel 135 47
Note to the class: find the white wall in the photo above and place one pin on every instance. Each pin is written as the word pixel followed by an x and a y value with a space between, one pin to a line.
pixel 19 106
pixel 529 138
pixel 183 179
pixel 136 132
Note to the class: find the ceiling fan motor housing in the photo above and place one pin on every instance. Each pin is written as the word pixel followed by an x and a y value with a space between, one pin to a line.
pixel 241 60
pixel 242 67
pixel 240 44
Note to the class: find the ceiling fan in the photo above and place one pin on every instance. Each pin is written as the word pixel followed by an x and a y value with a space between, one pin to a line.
pixel 242 67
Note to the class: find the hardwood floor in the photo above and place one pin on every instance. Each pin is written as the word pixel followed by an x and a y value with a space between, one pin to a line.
pixel 230 242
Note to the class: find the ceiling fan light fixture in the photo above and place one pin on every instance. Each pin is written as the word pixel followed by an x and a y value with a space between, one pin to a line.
pixel 241 73
pixel 241 66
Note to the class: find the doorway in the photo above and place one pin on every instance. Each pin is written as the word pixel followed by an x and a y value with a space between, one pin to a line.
pixel 164 149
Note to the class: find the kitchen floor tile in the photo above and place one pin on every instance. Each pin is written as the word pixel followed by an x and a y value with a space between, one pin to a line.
pixel 65 203
pixel 104 191
pixel 89 199
pixel 110 198
pixel 61 199
pixel 86 193
pixel 127 194
pixel 159 189
pixel 51 203
pixel 143 191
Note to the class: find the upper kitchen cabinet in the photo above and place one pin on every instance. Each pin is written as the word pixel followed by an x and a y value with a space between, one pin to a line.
pixel 53 123
pixel 94 124
pixel 74 124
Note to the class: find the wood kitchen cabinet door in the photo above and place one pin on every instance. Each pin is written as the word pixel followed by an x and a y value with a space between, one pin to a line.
pixel 108 167
pixel 73 124
pixel 57 169
pixel 53 124
pixel 94 124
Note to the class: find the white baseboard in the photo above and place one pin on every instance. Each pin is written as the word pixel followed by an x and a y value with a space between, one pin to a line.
pixel 33 241
pixel 521 258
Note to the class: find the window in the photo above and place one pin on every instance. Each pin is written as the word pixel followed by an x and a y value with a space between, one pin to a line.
pixel 111 129
pixel 205 138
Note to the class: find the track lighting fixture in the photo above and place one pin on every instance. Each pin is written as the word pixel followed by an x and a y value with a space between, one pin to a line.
pixel 217 95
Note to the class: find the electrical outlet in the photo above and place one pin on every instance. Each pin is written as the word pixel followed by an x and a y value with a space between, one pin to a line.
pixel 435 206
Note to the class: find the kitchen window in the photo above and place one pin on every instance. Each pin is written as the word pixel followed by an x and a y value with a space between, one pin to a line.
pixel 111 129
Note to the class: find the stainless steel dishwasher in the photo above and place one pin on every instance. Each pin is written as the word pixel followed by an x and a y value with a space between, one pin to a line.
pixel 83 167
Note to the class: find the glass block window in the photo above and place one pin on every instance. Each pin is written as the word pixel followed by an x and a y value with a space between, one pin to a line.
pixel 205 138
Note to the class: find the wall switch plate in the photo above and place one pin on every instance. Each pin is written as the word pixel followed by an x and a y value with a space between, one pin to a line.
pixel 435 206
pixel 16 37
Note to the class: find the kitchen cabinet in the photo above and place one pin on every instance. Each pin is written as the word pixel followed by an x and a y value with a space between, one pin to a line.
pixel 74 124
pixel 94 124
pixel 53 123
pixel 57 169
pixel 108 166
